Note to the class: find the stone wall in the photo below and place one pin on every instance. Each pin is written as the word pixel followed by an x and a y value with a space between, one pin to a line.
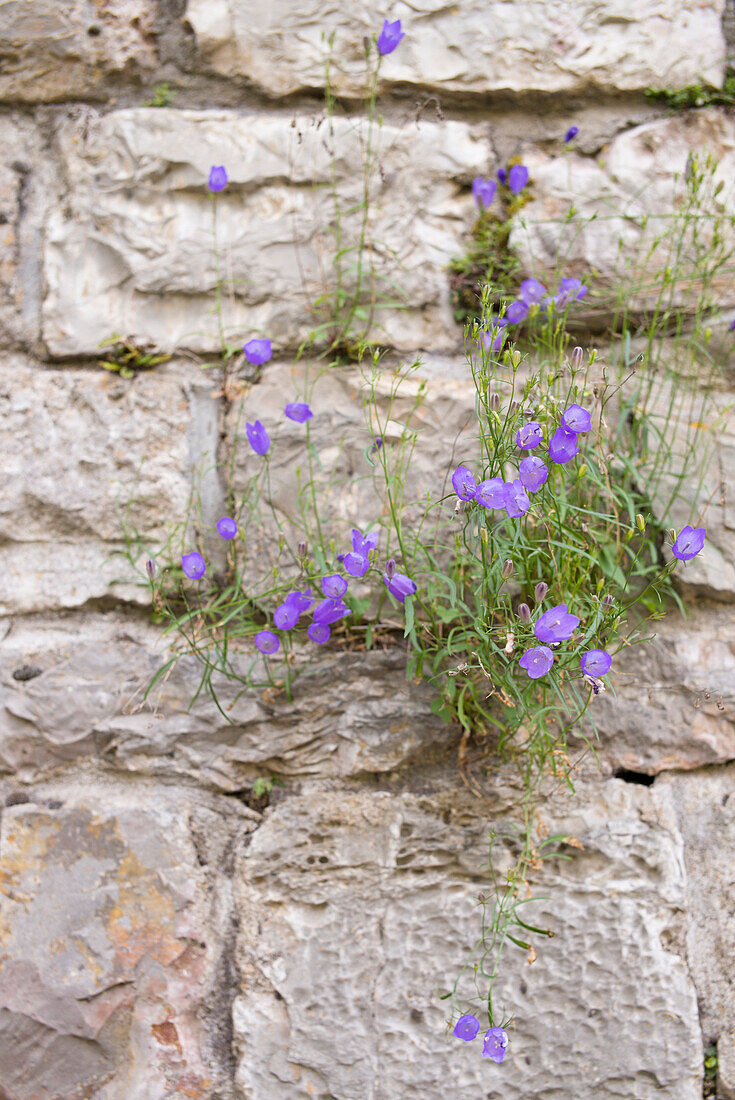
pixel 163 934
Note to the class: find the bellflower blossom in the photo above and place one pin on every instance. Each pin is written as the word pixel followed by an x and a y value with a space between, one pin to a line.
pixel 533 473
pixel 267 642
pixel 517 178
pixel 494 339
pixel 556 625
pixel 356 565
pixel 466 1027
pixel 689 542
pixel 217 178
pixel 300 601
pixel 258 352
pixel 390 36
pixel 532 291
pixel 226 528
pixel 595 662
pixel 502 175
pixel 483 191
pixel 576 419
pixel 258 437
pixel 298 411
pixel 399 585
pixel 334 586
pixel 363 544
pixel 516 498
pixel 194 565
pixel 491 493
pixel 731 326
pixel 319 633
pixel 496 1041
pixel 571 134
pixel 570 290
pixel 563 446
pixel 464 483
pixel 330 611
pixel 537 661
pixel 286 616
pixel 516 312
pixel 529 436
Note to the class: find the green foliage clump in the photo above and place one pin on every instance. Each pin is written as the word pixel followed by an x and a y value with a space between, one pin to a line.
pixel 695 95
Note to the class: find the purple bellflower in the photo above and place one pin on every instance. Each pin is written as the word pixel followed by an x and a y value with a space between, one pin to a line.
pixel 319 633
pixel 299 601
pixel 267 642
pixel 571 134
pixel 516 498
pixel 363 544
pixel 556 625
pixel 570 290
pixel 356 565
pixel 483 191
pixel 258 352
pixel 537 661
pixel 464 483
pixel 529 436
pixel 496 1041
pixel 330 611
pixel 298 411
pixel 399 585
pixel 595 662
pixel 286 616
pixel 258 437
pixel 502 175
pixel 533 473
pixel 731 326
pixel 491 493
pixel 516 312
pixel 226 528
pixel 390 36
pixel 334 586
pixel 576 419
pixel 517 178
pixel 563 446
pixel 689 542
pixel 466 1027
pixel 194 565
pixel 217 178
pixel 532 291
pixel 495 338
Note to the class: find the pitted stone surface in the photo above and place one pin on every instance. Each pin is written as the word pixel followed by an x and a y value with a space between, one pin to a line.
pixel 622 201
pixel 80 446
pixel 479 46
pixel 110 942
pixel 366 904
pixel 134 252
pixel 351 713
pixel 66 49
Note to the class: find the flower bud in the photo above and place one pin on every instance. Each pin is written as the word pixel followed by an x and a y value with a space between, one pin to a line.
pixel 495 401
pixel 577 357
pixel 607 600
pixel 390 568
pixel 539 592
pixel 483 535
pixel 301 550
pixel 150 568
pixel 640 523
pixel 581 471
pixel 524 613
pixel 508 567
pixel 514 407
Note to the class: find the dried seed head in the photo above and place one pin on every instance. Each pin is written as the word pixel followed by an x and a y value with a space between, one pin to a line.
pixel 510 643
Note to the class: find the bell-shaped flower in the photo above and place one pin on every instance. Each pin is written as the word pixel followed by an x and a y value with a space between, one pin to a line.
pixel 596 662
pixel 502 175
pixel 464 483
pixel 494 1046
pixel 532 291
pixel 576 419
pixel 556 624
pixel 217 178
pixel 466 1027
pixel 334 586
pixel 390 36
pixel 286 616
pixel 258 352
pixel 330 611
pixel 226 528
pixel 319 633
pixel 298 411
pixel 194 565
pixel 516 498
pixel 267 642
pixel 537 661
pixel 483 191
pixel 529 436
pixel 258 437
pixel 571 134
pixel 517 178
pixel 563 446
pixel 356 565
pixel 533 473
pixel 491 493
pixel 570 290
pixel 300 601
pixel 399 586
pixel 689 542
pixel 516 312
pixel 494 338
pixel 363 544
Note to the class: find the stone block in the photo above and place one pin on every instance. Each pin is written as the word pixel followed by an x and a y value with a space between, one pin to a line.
pixel 23 183
pixel 366 908
pixel 68 49
pixel 480 47
pixel 113 927
pixel 134 251
pixel 81 446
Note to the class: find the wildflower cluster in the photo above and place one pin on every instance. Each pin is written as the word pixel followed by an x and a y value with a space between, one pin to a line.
pixel 495 1039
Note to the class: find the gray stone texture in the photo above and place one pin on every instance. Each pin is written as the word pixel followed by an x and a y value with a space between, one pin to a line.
pixel 131 250
pixel 475 48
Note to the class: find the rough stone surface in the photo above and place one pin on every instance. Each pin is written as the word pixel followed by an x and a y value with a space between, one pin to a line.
pixel 23 180
pixel 350 713
pixel 366 904
pixel 112 927
pixel 79 445
pixel 704 805
pixel 67 49
pixel 134 252
pixel 622 201
pixel 478 47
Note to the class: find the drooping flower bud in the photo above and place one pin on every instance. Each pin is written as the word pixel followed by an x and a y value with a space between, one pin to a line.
pixel 508 567
pixel 495 401
pixel 150 568
pixel 608 600
pixel 301 550
pixel 539 592
pixel 390 568
pixel 524 613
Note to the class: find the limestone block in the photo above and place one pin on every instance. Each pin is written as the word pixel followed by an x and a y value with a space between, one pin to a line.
pixel 112 929
pixel 366 906
pixel 351 712
pixel 134 252
pixel 624 200
pixel 22 178
pixel 80 447
pixel 704 808
pixel 478 47
pixel 67 49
